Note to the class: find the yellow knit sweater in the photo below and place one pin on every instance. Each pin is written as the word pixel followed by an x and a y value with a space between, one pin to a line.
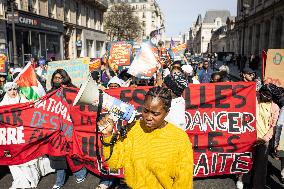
pixel 161 158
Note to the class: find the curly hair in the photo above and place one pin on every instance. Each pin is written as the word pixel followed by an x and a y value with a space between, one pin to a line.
pixel 163 93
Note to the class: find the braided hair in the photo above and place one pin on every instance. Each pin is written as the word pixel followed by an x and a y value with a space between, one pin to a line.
pixel 163 93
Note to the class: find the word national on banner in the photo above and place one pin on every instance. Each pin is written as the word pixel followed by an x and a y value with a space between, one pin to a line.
pixel 220 124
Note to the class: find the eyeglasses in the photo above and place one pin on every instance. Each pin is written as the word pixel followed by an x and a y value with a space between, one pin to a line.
pixel 13 89
pixel 59 78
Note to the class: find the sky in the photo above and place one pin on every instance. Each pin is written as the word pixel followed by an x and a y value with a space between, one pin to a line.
pixel 179 14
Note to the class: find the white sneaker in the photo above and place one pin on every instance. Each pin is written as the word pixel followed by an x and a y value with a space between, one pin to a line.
pixel 240 184
pixel 56 187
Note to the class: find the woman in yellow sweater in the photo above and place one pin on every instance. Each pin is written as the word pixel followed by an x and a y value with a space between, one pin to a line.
pixel 155 154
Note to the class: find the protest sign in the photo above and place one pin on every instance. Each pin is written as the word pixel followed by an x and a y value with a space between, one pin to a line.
pixel 145 63
pixel 177 52
pixel 120 54
pixel 274 70
pixel 95 64
pixel 78 70
pixel 3 63
pixel 220 124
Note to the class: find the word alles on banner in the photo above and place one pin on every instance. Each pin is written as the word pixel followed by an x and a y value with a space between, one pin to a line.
pixel 220 124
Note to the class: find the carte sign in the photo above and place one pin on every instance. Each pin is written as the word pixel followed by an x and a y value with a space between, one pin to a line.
pixel 274 70
pixel 220 125
pixel 77 69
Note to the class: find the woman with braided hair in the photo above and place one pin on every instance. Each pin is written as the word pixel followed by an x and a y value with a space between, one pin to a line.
pixel 155 153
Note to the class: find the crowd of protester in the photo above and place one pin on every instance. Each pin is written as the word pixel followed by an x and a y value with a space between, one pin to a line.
pixel 162 115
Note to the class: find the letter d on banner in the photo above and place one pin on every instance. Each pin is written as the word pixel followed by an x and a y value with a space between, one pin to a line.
pixel 89 93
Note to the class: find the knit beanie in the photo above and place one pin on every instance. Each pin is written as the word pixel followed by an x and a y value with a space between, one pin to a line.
pixel 176 82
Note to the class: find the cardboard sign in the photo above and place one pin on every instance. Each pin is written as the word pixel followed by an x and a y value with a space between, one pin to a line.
pixel 274 70
pixel 77 69
pixel 95 64
pixel 3 63
pixel 120 54
pixel 145 63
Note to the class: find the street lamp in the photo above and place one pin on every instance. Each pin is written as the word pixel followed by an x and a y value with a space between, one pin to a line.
pixel 15 53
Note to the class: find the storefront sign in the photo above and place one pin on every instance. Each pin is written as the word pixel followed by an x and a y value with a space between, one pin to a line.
pixel 34 21
pixel 10 17
pixel 77 69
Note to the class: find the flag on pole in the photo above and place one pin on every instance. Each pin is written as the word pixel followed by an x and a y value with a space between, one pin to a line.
pixel 172 43
pixel 28 83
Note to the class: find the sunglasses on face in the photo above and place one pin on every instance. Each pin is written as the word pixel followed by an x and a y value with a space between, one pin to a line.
pixel 14 89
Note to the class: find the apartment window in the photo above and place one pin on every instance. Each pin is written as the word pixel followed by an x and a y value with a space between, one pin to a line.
pixel 278 32
pixel 50 9
pixel 257 37
pixel 251 4
pixel 266 34
pixel 89 47
pixel 77 13
pixel 87 17
pixel 250 39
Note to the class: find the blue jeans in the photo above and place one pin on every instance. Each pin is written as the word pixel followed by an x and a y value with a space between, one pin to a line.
pixel 60 177
pixel 61 174
pixel 280 120
pixel 81 173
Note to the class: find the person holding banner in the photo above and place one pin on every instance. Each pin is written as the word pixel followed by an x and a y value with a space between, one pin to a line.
pixel 176 82
pixel 267 113
pixel 154 153
pixel 61 78
pixel 25 175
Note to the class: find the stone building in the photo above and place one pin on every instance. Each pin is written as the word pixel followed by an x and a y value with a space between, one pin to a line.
pixel 224 38
pixel 150 15
pixel 213 20
pixel 259 26
pixel 192 34
pixel 55 29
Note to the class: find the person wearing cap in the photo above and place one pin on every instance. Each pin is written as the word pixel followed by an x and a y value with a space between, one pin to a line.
pixel 247 75
pixel 21 178
pixel 176 82
pixel 114 82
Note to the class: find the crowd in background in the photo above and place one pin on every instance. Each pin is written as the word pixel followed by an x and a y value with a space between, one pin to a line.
pixel 174 76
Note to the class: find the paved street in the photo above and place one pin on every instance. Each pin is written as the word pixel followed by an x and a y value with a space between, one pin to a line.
pixel 224 182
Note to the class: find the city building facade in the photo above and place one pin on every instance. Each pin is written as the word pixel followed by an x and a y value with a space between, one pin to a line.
pixel 192 34
pixel 54 29
pixel 149 14
pixel 213 20
pixel 259 26
pixel 224 38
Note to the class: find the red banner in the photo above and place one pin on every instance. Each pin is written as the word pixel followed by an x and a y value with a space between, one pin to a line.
pixel 220 124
